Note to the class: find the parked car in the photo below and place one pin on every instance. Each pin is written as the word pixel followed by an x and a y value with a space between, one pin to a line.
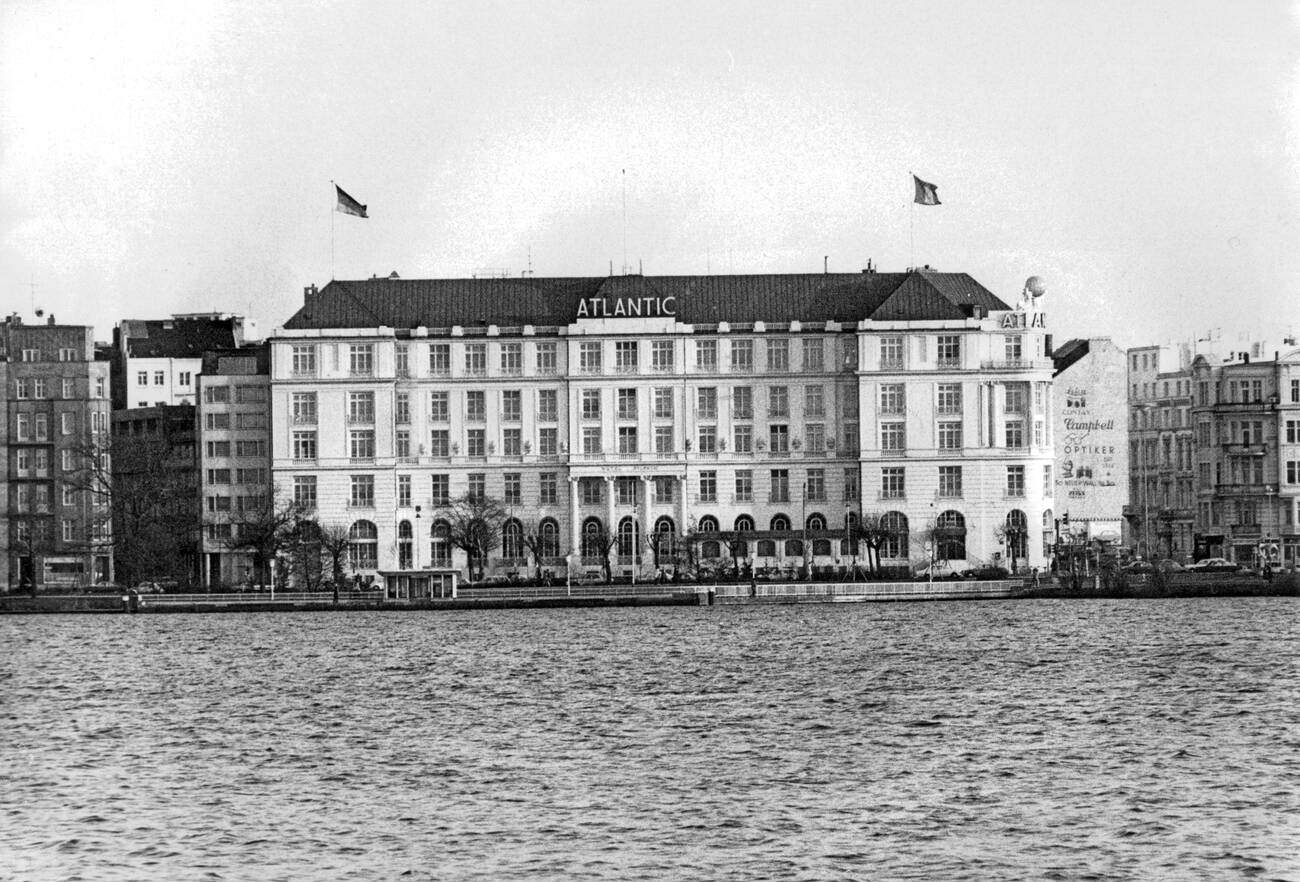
pixel 1139 568
pixel 939 569
pixel 1213 565
pixel 149 588
pixel 988 574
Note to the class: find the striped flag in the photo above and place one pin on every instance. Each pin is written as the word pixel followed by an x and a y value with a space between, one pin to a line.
pixel 926 194
pixel 348 205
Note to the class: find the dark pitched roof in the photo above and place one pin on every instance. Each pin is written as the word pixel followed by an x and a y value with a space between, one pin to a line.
pixel 510 302
pixel 179 337
pixel 1067 354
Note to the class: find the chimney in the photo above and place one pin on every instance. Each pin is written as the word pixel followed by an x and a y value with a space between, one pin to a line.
pixel 51 321
pixel 308 295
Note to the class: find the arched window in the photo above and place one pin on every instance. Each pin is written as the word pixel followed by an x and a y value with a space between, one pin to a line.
pixel 440 535
pixel 794 548
pixel 512 540
pixel 1017 533
pixel 710 550
pixel 950 536
pixel 708 524
pixel 766 548
pixel 405 546
pixel 548 532
pixel 744 524
pixel 779 522
pixel 816 521
pixel 363 546
pixel 895 544
pixel 665 534
pixel 629 534
pixel 593 538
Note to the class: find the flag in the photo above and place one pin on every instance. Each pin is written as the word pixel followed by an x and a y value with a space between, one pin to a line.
pixel 926 194
pixel 348 205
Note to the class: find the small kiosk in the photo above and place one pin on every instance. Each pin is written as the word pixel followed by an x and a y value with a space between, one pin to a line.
pixel 419 584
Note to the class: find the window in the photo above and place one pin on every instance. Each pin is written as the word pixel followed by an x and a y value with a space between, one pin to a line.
pixel 591 404
pixel 38 387
pixel 589 490
pixel 891 353
pixel 814 402
pixel 815 438
pixel 742 403
pixel 476 485
pixel 363 546
pixel 439 359
pixel 513 493
pixel 361 360
pixel 1292 431
pixel 548 406
pixel 1015 481
pixel 708 486
pixel 626 399
pixel 66 460
pixel 24 426
pixel 66 421
pixel 440 489
pixel 548 442
pixel 99 387
pixel 663 439
pixel 1017 398
pixel 361 444
pixel 303 361
pixel 475 406
pixel 950 481
pixel 743 439
pixel 1013 347
pixel 1295 391
pixel 361 407
pixel 251 420
pixel 742 355
pixel 216 394
pixel 1015 433
pixel 1047 480
pixel 591 445
pixel 778 355
pixel 661 356
pixel 475 359
pixel 512 359
pixel 625 491
pixel 950 435
pixel 949 350
pixel 69 495
pixel 949 400
pixel 401 360
pixel 893 436
pixel 708 439
pixel 548 488
pixel 813 352
pixel 439 443
pixel 778 401
pixel 778 438
pixel 851 484
pixel 302 408
pixel 512 442
pixel 815 485
pixel 67 355
pixel 664 489
pixel 707 403
pixel 218 476
pixel 402 443
pixel 891 483
pixel 1293 471
pixel 589 361
pixel 627 440
pixel 41 424
pixel 476 442
pixel 744 486
pixel 663 399
pixel 892 398
pixel 625 356
pixel 780 488
pixel 159 378
pixel 511 405
pixel 706 355
pixel 546 359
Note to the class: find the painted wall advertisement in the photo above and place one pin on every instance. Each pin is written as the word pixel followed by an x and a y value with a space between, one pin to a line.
pixel 1092 458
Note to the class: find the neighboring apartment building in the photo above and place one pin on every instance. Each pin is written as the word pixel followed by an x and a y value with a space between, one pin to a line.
pixel 234 458
pixel 157 361
pixel 1162 478
pixel 1247 435
pixel 57 524
pixel 751 407
pixel 1092 432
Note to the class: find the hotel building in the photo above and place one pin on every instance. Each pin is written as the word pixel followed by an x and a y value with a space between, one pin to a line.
pixel 768 409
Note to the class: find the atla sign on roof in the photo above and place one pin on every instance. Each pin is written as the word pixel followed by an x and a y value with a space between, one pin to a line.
pixel 627 307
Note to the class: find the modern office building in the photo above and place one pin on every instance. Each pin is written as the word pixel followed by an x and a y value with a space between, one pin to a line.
pixel 1092 432
pixel 234 459
pixel 156 361
pixel 57 524
pixel 769 410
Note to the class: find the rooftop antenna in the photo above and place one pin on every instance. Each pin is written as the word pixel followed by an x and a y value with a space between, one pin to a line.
pixel 625 266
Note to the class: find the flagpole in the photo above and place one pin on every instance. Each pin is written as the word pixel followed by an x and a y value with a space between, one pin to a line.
pixel 333 211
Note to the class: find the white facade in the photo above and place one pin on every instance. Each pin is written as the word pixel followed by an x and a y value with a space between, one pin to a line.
pixel 647 419
pixel 154 382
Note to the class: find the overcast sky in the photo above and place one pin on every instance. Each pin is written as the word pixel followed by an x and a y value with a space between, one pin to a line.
pixel 1141 157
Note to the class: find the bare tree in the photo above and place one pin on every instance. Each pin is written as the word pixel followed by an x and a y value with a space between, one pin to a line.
pixel 335 542
pixel 307 559
pixel 265 530
pixel 874 533
pixel 475 523
pixel 533 540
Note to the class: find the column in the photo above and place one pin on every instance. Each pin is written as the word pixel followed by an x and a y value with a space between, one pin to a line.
pixel 645 548
pixel 612 527
pixel 575 547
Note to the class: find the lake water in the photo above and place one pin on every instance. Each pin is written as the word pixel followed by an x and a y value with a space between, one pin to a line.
pixel 979 740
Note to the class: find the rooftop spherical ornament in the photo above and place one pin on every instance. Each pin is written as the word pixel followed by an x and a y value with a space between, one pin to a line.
pixel 1035 286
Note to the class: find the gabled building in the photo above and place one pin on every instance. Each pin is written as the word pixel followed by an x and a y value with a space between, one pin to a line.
pixel 156 361
pixel 769 411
